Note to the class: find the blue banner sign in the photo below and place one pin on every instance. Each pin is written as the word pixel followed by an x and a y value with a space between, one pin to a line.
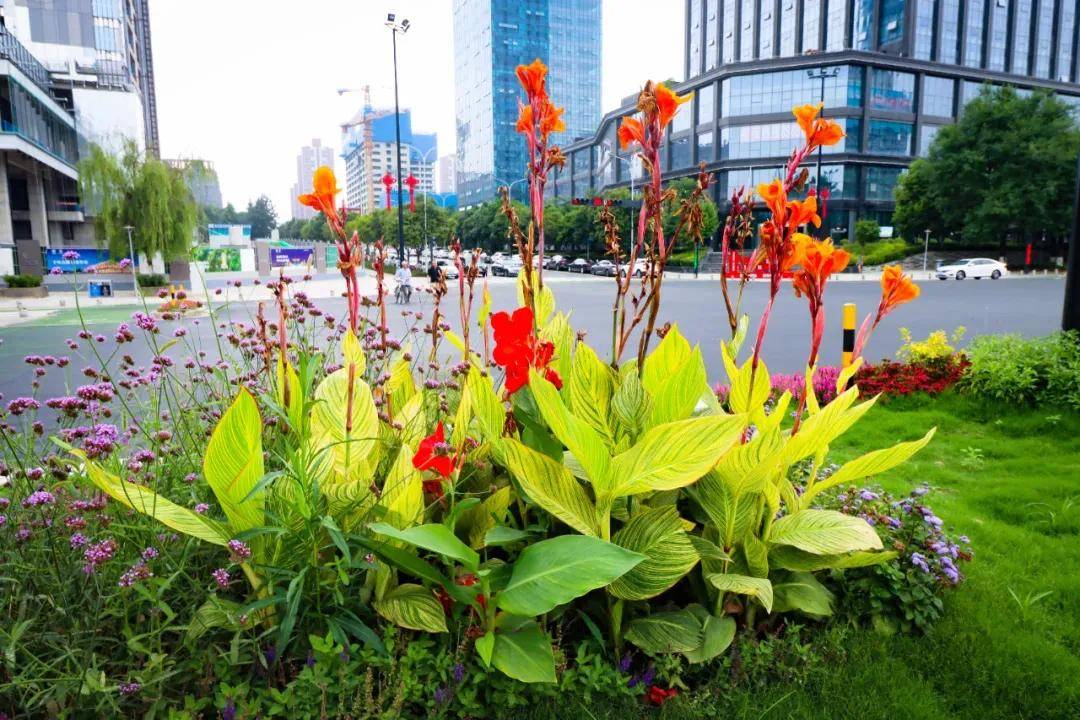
pixel 87 257
pixel 283 257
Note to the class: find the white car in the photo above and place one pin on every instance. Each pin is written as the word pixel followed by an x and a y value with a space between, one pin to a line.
pixel 448 268
pixel 641 266
pixel 972 268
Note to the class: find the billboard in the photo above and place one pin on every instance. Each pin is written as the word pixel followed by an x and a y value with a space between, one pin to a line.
pixel 54 258
pixel 218 259
pixel 229 235
pixel 286 256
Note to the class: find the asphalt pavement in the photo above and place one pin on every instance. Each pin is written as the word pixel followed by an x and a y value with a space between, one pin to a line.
pixel 1025 305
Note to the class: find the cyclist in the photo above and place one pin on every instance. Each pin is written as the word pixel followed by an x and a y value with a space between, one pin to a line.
pixel 403 276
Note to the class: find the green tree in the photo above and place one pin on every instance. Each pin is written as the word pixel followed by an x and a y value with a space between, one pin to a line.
pixel 1008 166
pixel 129 188
pixel 261 216
pixel 290 229
pixel 867 231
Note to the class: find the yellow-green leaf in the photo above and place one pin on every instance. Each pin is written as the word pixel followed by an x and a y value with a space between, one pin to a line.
pixel 489 513
pixel 589 391
pixel 489 411
pixel 759 588
pixel 586 445
pixel 233 464
pixel 351 439
pixel 674 455
pixel 659 535
pixel 549 484
pixel 353 352
pixel 872 463
pixel 402 494
pixel 824 532
pixel 413 607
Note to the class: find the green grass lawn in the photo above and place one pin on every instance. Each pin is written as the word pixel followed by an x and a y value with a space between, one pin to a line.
pixel 1011 481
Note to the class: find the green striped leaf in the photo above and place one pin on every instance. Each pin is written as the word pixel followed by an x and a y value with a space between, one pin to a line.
pixel 677 394
pixel 872 463
pixel 676 454
pixel 488 409
pixel 666 632
pixel 716 635
pixel 549 484
pixel 801 592
pixel 555 571
pixel 588 447
pixel 402 493
pixel 477 521
pixel 233 463
pixel 759 588
pixel 658 534
pixel 350 439
pixel 824 532
pixel 670 355
pixel 413 607
pixel 732 515
pixel 790 558
pixel 434 537
pixel 146 501
pixel 589 392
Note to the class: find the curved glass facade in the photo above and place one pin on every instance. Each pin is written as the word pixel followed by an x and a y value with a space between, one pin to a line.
pixel 895 72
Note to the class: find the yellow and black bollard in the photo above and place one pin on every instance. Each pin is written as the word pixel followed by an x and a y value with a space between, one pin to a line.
pixel 849 333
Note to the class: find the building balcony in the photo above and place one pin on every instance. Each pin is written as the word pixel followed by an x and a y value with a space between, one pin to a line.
pixel 65 211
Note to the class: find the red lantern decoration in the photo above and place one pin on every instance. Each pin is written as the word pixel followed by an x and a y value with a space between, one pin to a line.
pixel 388 181
pixel 412 182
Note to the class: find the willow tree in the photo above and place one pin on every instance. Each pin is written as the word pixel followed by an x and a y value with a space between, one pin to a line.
pixel 129 188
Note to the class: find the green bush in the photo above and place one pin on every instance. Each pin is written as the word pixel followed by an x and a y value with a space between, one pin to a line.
pixel 152 280
pixel 880 252
pixel 1014 369
pixel 867 232
pixel 22 281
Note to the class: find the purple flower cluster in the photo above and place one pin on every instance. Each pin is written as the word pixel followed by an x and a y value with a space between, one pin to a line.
pixel 39 498
pixel 221 578
pixel 21 404
pixel 238 551
pixel 136 573
pixel 98 554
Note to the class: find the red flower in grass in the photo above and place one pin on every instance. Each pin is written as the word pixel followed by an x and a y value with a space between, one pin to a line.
pixel 517 349
pixel 436 455
pixel 658 696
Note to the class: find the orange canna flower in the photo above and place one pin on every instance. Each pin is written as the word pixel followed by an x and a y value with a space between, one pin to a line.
pixel 795 251
pixel 532 77
pixel 667 103
pixel 324 188
pixel 819 260
pixel 818 131
pixel 774 196
pixel 805 116
pixel 896 289
pixel 552 120
pixel 631 130
pixel 524 121
pixel 803 212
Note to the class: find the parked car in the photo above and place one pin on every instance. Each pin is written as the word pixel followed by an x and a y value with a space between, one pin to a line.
pixel 561 264
pixel 605 268
pixel 551 262
pixel 641 267
pixel 972 268
pixel 510 267
pixel 581 265
pixel 448 268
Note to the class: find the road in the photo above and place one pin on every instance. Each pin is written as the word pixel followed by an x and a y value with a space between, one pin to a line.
pixel 1030 306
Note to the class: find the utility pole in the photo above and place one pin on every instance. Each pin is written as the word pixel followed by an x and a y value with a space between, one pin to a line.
pixel 1070 318
pixel 822 74
pixel 395 27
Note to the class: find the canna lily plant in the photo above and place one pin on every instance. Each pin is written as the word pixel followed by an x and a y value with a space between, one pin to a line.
pixel 540 482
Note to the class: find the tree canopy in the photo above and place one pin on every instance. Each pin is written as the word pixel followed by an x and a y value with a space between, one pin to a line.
pixel 1008 166
pixel 131 189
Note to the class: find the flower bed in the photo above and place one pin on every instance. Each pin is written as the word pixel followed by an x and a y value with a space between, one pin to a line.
pixel 325 504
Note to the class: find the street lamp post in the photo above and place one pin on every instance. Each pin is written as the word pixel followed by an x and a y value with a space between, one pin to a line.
pixel 397 26
pixel 822 74
pixel 131 252
pixel 926 249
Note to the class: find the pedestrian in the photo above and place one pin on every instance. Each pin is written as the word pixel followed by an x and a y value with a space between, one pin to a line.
pixel 436 277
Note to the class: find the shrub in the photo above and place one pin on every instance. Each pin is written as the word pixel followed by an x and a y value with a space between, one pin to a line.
pixel 879 252
pixel 904 593
pixel 22 281
pixel 867 232
pixel 152 280
pixel 936 348
pixel 905 378
pixel 1031 371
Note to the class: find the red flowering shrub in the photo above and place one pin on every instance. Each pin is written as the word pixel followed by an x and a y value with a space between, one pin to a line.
pixel 899 378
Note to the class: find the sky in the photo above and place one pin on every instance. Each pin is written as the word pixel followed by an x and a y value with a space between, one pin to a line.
pixel 245 83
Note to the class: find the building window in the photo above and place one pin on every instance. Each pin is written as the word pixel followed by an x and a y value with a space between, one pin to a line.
pixel 892 90
pixel 880 182
pixel 788 31
pixel 937 96
pixel 974 24
pixel 706 104
pixel 780 91
pixel 811 29
pixel 1043 29
pixel 839 180
pixel 695 37
pixel 1021 47
pixel 766 29
pixel 680 153
pixel 927 133
pixel 743 142
pixel 728 41
pixel 746 31
pixel 836 22
pixel 712 52
pixel 705 151
pixel 888 137
pixel 891 23
pixel 950 31
pixel 1065 42
pixel 924 29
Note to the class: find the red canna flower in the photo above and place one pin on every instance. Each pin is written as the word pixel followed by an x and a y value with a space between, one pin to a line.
pixel 434 454
pixel 657 696
pixel 517 349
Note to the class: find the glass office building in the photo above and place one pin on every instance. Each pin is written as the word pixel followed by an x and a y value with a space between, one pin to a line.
pixel 493 37
pixel 898 71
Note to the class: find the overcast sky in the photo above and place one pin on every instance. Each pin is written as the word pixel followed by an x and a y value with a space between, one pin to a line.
pixel 245 83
